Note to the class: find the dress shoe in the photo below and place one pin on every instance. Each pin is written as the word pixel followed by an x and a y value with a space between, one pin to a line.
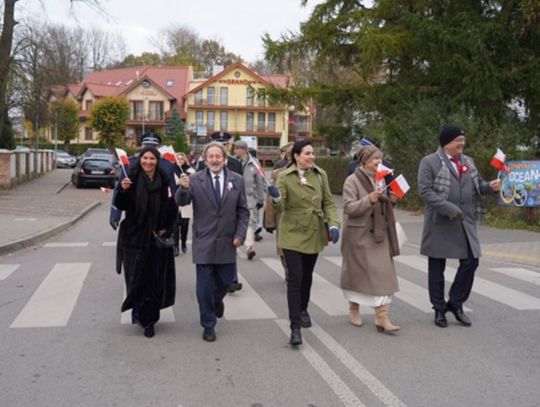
pixel 149 332
pixel 176 251
pixel 209 335
pixel 184 248
pixel 440 319
pixel 234 287
pixel 219 307
pixel 296 337
pixel 250 254
pixel 305 320
pixel 459 314
pixel 258 238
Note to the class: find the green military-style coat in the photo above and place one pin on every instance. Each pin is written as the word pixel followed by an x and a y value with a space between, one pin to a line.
pixel 304 210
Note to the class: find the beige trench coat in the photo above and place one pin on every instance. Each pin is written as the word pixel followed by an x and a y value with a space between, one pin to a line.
pixel 368 267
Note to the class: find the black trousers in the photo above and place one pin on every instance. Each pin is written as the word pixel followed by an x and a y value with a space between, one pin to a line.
pixel 300 267
pixel 180 231
pixel 461 286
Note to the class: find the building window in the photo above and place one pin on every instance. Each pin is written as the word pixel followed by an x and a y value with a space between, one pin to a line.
pixel 211 93
pixel 261 121
pixel 170 83
pixel 223 96
pixel 88 134
pixel 198 97
pixel 250 93
pixel 88 105
pixel 136 110
pixel 268 141
pixel 249 121
pixel 199 118
pixel 211 119
pixel 302 124
pixel 271 122
pixel 223 118
pixel 261 97
pixel 155 110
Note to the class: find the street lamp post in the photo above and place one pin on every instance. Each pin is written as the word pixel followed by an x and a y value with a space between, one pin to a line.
pixel 55 134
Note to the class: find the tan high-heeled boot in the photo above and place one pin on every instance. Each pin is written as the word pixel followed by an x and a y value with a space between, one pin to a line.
pixel 354 314
pixel 382 321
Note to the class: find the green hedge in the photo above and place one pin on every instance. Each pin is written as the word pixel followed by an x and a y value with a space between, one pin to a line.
pixel 336 168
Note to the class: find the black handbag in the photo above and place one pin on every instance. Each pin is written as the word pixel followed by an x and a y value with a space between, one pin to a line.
pixel 163 242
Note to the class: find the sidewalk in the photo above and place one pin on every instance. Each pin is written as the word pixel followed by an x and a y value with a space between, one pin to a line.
pixel 41 208
pixel 38 209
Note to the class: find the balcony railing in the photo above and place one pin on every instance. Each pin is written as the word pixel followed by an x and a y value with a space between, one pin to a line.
pixel 149 116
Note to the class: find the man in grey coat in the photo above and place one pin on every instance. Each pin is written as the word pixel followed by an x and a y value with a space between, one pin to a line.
pixel 450 186
pixel 220 219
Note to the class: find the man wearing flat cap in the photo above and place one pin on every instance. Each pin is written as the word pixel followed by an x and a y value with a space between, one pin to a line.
pixel 450 186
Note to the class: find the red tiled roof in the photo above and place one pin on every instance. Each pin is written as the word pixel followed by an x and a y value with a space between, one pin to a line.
pixel 74 88
pixel 100 90
pixel 278 80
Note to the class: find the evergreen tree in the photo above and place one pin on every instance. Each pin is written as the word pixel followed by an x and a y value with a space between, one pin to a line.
pixel 174 131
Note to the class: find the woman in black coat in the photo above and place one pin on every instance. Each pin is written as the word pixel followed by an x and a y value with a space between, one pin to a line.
pixel 149 271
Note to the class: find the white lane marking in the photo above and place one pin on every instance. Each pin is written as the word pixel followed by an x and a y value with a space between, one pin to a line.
pixel 54 300
pixel 513 298
pixel 25 219
pixel 410 293
pixel 339 387
pixel 324 294
pixel 7 269
pixel 371 382
pixel 165 314
pixel 66 244
pixel 108 244
pixel 246 304
pixel 520 273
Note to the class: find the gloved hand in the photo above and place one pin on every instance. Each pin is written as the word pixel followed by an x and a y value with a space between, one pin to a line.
pixel 114 223
pixel 259 205
pixel 334 234
pixel 273 191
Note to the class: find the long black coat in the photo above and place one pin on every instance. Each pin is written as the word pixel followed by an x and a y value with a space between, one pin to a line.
pixel 136 251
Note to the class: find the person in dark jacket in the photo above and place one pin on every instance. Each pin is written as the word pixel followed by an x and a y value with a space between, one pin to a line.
pixel 149 271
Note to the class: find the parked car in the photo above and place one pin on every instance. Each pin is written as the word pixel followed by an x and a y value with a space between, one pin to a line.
pixel 64 160
pixel 94 170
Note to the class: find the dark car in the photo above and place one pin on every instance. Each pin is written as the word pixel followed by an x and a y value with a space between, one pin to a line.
pixel 94 170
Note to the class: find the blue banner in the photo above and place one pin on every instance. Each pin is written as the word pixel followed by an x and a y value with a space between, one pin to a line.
pixel 520 184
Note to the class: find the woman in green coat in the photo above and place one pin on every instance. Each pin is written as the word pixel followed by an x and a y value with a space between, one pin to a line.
pixel 308 220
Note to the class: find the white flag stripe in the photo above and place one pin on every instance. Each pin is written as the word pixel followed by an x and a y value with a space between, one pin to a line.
pixel 7 269
pixel 371 382
pixel 414 295
pixel 54 300
pixel 324 294
pixel 340 388
pixel 520 273
pixel 65 244
pixel 246 304
pixel 494 291
pixel 402 182
pixel 165 315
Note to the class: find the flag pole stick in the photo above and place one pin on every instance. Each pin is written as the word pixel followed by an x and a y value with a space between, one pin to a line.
pixel 259 169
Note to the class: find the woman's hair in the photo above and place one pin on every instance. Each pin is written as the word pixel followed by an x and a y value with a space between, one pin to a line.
pixel 365 154
pixel 151 149
pixel 297 148
pixel 214 144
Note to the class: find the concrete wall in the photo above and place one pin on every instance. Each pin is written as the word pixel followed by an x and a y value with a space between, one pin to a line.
pixel 17 167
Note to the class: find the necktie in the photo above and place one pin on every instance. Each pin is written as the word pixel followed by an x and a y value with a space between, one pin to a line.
pixel 217 187
pixel 455 160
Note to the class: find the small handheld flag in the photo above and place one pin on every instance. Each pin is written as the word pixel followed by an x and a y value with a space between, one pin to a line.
pixel 382 171
pixel 399 186
pixel 167 152
pixel 123 158
pixel 498 160
pixel 105 189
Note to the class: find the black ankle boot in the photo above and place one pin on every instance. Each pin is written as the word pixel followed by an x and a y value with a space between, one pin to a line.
pixel 296 337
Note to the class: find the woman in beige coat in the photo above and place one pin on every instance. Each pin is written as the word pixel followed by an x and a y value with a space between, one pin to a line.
pixel 369 242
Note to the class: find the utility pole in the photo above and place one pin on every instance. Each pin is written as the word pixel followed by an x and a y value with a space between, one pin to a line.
pixel 55 134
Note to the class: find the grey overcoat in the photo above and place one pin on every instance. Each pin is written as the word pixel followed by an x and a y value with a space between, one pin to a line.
pixel 368 267
pixel 215 226
pixel 445 232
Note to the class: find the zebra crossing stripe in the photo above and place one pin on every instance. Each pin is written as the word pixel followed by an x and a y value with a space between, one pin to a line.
pixel 324 294
pixel 339 387
pixel 7 269
pixel 165 314
pixel 65 244
pixel 520 273
pixel 513 298
pixel 53 302
pixel 246 304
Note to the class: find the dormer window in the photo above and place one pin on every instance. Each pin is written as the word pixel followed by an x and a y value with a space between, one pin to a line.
pixel 170 83
pixel 145 84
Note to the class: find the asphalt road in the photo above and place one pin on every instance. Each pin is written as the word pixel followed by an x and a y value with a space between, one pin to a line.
pixel 63 343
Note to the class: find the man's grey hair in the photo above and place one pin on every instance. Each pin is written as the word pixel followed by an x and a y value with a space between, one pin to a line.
pixel 214 144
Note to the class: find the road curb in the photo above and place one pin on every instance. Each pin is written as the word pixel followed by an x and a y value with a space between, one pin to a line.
pixel 34 239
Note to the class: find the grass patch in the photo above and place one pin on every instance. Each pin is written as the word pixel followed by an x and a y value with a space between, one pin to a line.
pixel 507 217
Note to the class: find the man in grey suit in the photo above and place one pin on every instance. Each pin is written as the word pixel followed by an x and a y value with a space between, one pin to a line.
pixel 450 186
pixel 220 220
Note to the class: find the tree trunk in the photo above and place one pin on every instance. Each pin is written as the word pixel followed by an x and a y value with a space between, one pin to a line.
pixel 6 41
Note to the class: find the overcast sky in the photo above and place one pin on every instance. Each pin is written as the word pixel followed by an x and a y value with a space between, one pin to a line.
pixel 236 24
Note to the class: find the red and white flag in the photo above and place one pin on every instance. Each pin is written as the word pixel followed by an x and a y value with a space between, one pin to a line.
pixel 399 186
pixel 382 171
pixel 167 152
pixel 122 156
pixel 498 160
pixel 105 189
